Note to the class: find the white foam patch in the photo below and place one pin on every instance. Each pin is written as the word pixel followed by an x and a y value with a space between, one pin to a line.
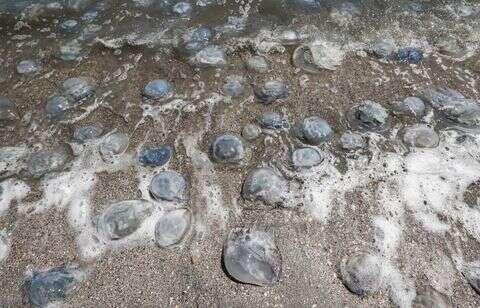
pixel 426 185
pixel 79 214
pixel 388 234
pixel 11 159
pixel 210 193
pixel 156 111
pixel 441 274
pixel 402 291
pixel 428 182
pixel 319 197
pixel 4 245
pixel 88 109
pixel 72 190
pixel 204 173
pixel 325 187
pixel 12 190
pixel 435 182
